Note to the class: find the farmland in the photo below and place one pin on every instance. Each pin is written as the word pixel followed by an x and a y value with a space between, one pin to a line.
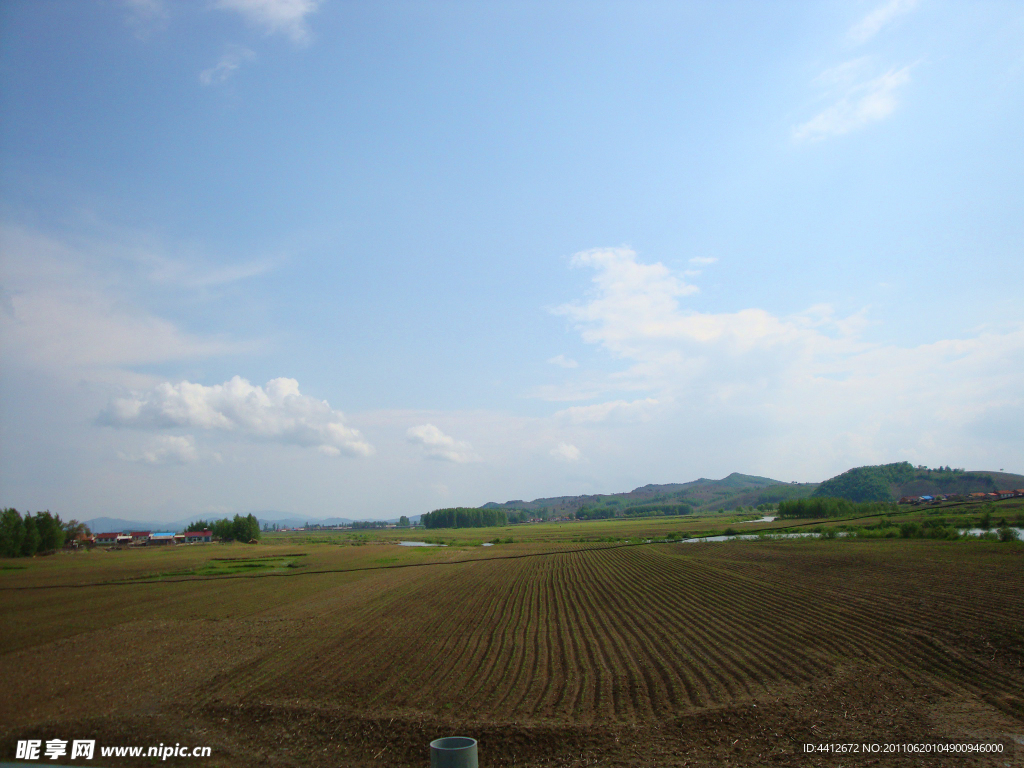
pixel 550 652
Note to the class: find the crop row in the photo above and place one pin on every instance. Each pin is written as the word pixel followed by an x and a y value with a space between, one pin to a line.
pixel 628 634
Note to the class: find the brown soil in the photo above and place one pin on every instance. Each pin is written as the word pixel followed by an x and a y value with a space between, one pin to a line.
pixel 722 654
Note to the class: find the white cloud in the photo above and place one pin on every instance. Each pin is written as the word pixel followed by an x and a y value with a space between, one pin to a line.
pixel 229 63
pixel 807 379
pixel 563 362
pixel 703 260
pixel 883 15
pixel 276 413
pixel 166 449
pixel 285 16
pixel 615 411
pixel 630 298
pixel 860 104
pixel 437 445
pixel 566 452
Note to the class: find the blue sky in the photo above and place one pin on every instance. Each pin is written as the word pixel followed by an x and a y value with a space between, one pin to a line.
pixel 370 259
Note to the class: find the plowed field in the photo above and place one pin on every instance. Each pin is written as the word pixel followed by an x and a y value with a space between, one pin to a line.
pixel 642 655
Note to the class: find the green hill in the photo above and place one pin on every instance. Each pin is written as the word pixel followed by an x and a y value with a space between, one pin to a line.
pixel 701 495
pixel 890 482
pixel 883 482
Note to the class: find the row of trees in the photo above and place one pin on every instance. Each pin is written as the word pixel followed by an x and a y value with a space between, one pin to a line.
pixel 464 517
pixel 664 509
pixel 658 510
pixel 32 534
pixel 239 529
pixel 832 507
pixel 595 513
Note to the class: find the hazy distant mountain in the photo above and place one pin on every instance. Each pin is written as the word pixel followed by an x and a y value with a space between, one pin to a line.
pixel 886 482
pixel 703 494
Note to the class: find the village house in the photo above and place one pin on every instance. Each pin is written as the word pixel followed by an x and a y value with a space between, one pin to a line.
pixel 139 536
pixel 196 537
pixel 106 538
pixel 161 539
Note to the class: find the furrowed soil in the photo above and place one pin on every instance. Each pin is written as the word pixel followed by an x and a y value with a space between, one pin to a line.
pixel 733 653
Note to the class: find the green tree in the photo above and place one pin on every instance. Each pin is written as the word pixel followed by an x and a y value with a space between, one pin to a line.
pixel 464 517
pixel 245 528
pixel 222 530
pixel 51 531
pixel 199 525
pixel 12 533
pixel 30 544
pixel 403 521
pixel 74 529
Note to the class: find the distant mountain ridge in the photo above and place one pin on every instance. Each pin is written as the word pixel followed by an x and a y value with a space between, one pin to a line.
pixel 703 494
pixel 882 482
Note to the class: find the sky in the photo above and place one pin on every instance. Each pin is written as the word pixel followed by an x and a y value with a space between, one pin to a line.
pixel 331 258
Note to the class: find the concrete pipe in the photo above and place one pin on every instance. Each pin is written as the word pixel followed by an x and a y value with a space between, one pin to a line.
pixel 453 752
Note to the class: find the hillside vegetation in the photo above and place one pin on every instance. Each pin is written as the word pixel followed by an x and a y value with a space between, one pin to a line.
pixel 879 483
pixel 890 482
pixel 703 495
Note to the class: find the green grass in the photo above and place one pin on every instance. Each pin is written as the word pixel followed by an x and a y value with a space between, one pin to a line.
pixel 608 530
pixel 227 566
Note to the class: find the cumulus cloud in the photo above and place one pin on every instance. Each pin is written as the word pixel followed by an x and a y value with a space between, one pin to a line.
pixel 278 412
pixel 285 16
pixel 166 449
pixel 629 300
pixel 563 362
pixel 860 103
pixel 566 452
pixel 437 445
pixel 880 17
pixel 229 63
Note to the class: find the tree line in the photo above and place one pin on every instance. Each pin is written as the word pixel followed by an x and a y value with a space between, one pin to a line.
pixel 665 509
pixel 464 517
pixel 832 507
pixel 239 529
pixel 35 534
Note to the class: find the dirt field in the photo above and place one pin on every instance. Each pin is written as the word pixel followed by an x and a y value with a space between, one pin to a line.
pixel 734 653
